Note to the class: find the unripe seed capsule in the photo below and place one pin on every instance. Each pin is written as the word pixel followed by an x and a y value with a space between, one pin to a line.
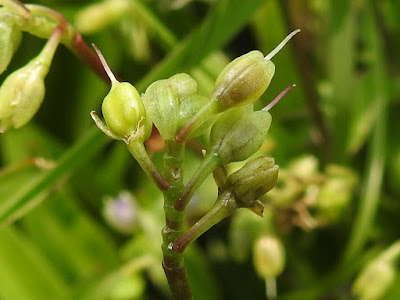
pixel 23 91
pixel 123 110
pixel 10 37
pixel 237 135
pixel 269 256
pixel 254 179
pixel 243 80
pixel 163 99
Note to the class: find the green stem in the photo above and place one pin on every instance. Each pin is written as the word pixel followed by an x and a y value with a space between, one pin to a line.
pixel 136 148
pixel 223 207
pixel 207 166
pixel 173 262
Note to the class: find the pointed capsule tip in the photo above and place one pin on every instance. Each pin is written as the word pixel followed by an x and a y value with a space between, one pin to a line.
pixel 106 67
pixel 279 97
pixel 282 44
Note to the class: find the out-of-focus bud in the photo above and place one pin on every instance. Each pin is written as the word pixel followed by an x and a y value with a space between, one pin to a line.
pixel 95 17
pixel 269 256
pixel 304 168
pixel 336 192
pixel 243 80
pixel 23 91
pixel 238 134
pixel 10 38
pixel 162 100
pixel 121 212
pixel 375 279
pixel 254 179
pixel 269 261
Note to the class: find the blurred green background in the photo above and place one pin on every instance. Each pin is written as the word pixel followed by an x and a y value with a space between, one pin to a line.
pixel 335 137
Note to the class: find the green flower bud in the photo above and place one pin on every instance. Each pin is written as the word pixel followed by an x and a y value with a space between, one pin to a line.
pixel 257 177
pixel 374 280
pixel 238 134
pixel 269 256
pixel 10 38
pixel 243 80
pixel 23 91
pixel 162 100
pixel 124 112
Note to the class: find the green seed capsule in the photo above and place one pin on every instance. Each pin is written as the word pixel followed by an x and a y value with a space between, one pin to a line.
pixel 163 100
pixel 269 256
pixel 10 38
pixel 254 179
pixel 243 80
pixel 374 280
pixel 124 112
pixel 238 134
pixel 23 91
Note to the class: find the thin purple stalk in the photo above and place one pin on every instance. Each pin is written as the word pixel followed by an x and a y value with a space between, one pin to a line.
pixel 278 98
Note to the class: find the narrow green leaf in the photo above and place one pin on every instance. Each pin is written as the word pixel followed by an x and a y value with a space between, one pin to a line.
pixel 76 244
pixel 24 271
pixel 33 193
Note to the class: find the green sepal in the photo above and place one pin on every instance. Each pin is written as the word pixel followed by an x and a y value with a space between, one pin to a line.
pixel 239 133
pixel 162 100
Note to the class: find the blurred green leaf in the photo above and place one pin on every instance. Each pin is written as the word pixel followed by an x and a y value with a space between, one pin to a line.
pixel 25 272
pixel 31 194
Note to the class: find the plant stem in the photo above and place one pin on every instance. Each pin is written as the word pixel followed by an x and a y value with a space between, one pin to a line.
pixel 270 287
pixel 207 166
pixel 223 207
pixel 173 262
pixel 136 148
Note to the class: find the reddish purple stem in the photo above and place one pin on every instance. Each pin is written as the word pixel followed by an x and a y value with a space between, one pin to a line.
pixel 278 98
